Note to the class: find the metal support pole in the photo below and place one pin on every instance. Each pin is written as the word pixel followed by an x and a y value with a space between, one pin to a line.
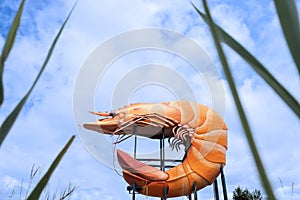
pixel 133 191
pixel 133 187
pixel 135 142
pixel 223 184
pixel 162 151
pixel 195 190
pixel 216 191
pixel 165 193
pixel 162 159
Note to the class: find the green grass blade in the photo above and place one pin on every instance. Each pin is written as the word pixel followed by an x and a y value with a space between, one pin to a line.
pixel 52 46
pixel 9 42
pixel 36 192
pixel 1 82
pixel 289 20
pixel 9 121
pixel 216 35
pixel 258 67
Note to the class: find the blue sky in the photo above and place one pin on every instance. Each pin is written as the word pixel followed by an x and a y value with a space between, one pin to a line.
pixel 47 121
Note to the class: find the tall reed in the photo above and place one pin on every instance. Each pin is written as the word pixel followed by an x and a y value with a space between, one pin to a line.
pixel 12 117
pixel 288 16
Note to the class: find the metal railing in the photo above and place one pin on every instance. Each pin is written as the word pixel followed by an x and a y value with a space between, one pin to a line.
pixel 134 189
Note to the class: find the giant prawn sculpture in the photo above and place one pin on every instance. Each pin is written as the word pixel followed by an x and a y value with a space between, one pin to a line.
pixel 199 128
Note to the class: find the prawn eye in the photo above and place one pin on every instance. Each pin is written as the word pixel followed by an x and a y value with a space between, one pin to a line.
pixel 112 114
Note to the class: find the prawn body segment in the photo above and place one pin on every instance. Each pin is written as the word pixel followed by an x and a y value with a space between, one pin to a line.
pixel 198 128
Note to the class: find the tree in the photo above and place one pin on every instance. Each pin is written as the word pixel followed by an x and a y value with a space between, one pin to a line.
pixel 257 194
pixel 245 194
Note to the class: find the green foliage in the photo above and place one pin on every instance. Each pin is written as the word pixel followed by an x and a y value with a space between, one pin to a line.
pixel 11 118
pixel 21 191
pixel 8 46
pixel 289 20
pixel 216 36
pixel 9 121
pixel 35 194
pixel 245 194
pixel 257 66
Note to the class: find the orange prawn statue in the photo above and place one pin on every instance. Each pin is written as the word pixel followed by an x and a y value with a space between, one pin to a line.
pixel 199 128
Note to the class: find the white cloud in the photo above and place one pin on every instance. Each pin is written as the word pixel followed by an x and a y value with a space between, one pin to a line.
pixel 232 19
pixel 47 121
pixel 9 183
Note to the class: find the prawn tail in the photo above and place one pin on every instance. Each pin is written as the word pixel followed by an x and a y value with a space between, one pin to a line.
pixel 151 180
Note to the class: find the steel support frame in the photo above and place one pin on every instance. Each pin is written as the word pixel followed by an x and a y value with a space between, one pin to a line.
pixel 134 188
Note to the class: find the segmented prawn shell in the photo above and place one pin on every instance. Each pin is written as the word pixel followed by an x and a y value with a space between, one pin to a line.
pixel 199 128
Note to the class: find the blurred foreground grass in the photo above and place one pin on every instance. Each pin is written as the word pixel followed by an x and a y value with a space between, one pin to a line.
pixel 11 118
pixel 289 20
